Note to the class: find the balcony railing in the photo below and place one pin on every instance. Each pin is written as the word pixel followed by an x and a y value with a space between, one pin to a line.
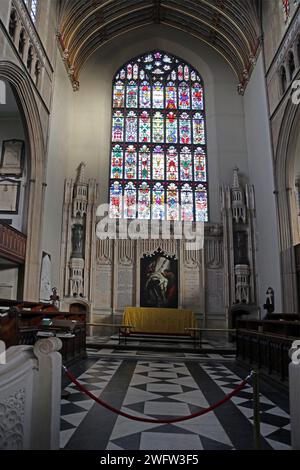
pixel 12 244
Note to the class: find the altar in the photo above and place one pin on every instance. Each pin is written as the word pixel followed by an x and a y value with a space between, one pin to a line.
pixel 159 320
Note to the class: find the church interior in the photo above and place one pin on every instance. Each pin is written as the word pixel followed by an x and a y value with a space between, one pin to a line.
pixel 150 225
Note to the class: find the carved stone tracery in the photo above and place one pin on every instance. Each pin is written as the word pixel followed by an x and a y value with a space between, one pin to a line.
pixel 12 421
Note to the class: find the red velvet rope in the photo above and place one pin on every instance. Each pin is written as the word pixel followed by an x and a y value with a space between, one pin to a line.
pixel 155 421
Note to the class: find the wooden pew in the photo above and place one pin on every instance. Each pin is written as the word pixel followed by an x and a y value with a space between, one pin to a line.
pixel 20 323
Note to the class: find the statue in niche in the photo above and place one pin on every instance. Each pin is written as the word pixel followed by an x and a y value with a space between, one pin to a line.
pixel 269 306
pixel 241 248
pixel 77 241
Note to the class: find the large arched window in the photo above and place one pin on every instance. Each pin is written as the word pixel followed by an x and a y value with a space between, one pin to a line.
pixel 158 154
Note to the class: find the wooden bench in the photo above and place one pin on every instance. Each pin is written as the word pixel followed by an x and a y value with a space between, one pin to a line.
pixel 20 323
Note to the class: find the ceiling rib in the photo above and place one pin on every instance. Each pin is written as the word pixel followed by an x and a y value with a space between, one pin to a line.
pixel 231 28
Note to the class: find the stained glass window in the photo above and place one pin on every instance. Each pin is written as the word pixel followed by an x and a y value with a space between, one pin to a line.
pixel 159 156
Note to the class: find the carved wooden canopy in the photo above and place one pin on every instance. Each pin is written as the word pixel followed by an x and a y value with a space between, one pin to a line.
pixel 231 27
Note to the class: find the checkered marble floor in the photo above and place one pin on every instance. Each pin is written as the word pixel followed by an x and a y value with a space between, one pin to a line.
pixel 157 388
pixel 137 353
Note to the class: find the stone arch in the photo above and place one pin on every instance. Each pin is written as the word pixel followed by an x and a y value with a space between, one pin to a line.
pixel 16 77
pixel 284 173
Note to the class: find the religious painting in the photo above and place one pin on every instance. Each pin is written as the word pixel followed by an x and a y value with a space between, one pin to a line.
pixel 159 281
pixel 12 158
pixel 9 196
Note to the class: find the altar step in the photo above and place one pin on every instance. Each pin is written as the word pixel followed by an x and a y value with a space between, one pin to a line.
pixel 163 343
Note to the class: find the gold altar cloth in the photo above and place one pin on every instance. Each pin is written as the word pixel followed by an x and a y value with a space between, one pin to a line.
pixel 159 320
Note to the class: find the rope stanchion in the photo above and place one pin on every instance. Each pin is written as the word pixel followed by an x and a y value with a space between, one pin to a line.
pixel 228 397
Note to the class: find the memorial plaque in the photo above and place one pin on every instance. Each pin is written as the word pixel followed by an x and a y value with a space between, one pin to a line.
pixel 103 287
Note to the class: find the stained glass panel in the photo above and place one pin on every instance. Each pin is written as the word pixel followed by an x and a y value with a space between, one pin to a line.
pixel 158 164
pixel 197 96
pixel 187 203
pixel 118 127
pixel 144 163
pixel 171 128
pixel 186 166
pixel 132 95
pixel 198 129
pixel 129 71
pixel 184 96
pixel 200 165
pixel 131 127
pixel 172 202
pixel 130 163
pixel 144 202
pixel 172 164
pixel 158 202
pixel 158 131
pixel 158 96
pixel 201 204
pixel 185 129
pixel 116 200
pixel 117 162
pixel 145 95
pixel 130 201
pixel 119 95
pixel 171 96
pixel 180 73
pixel 145 127
pixel 135 72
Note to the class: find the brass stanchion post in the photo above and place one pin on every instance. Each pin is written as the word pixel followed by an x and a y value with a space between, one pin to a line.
pixel 256 412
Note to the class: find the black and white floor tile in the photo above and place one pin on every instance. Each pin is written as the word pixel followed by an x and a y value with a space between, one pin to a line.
pixel 137 353
pixel 159 388
pixel 275 422
pixel 76 405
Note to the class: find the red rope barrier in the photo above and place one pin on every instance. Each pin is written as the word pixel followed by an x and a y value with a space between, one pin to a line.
pixel 156 421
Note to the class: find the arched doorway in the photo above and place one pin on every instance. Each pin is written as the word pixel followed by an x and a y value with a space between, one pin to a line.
pixel 33 136
pixel 287 177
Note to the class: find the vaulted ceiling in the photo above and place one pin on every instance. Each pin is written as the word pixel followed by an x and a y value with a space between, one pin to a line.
pixel 231 27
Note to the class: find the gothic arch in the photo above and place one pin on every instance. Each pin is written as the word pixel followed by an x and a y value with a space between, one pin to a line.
pixel 15 76
pixel 284 173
